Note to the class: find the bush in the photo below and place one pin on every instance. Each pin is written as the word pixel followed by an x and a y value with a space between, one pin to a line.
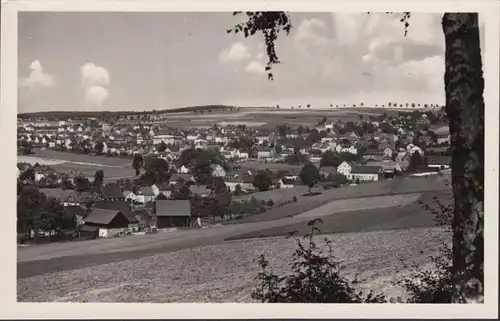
pixel 315 277
pixel 294 199
pixel 262 209
pixel 270 203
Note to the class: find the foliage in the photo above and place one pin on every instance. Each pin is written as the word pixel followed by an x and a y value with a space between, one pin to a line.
pixel 82 184
pixel 315 277
pixel 263 180
pixel 98 178
pixel 137 163
pixel 309 175
pixel 161 197
pixel 330 158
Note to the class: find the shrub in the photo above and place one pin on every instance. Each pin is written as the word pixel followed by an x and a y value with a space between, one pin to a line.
pixel 294 199
pixel 315 277
pixel 270 203
pixel 262 209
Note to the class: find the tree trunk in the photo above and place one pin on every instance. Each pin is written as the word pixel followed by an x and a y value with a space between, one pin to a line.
pixel 464 86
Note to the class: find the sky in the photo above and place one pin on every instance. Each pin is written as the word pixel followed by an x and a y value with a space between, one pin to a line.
pixel 161 60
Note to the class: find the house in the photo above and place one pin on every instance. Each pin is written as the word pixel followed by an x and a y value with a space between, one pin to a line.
pixel 441 162
pixel 112 194
pixel 77 212
pixel 106 222
pixel 172 213
pixel 129 196
pixel 162 188
pixel 76 198
pixel 364 173
pixel 266 153
pixel 144 195
pixel 181 177
pixel 218 171
pixel 345 168
pixel 201 190
pixel 121 206
pixel 286 182
pixel 327 171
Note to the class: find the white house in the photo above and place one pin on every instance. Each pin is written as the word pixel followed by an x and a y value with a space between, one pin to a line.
pixel 364 173
pixel 345 168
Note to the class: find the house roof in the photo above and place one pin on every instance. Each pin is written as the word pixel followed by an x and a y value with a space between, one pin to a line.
pixel 329 169
pixel 101 216
pixel 365 169
pixel 173 208
pixel 200 190
pixel 121 206
pixel 112 192
pixel 185 177
pixel 147 191
pixel 438 160
pixel 288 181
pixel 74 210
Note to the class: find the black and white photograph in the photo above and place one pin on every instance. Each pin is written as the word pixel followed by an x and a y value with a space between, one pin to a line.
pixel 273 156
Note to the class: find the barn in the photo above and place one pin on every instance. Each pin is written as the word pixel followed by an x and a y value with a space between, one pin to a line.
pixel 107 223
pixel 172 213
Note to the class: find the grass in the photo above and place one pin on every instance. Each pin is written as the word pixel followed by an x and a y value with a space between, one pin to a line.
pixel 73 157
pixel 89 170
pixel 225 272
pixel 349 219
pixel 384 187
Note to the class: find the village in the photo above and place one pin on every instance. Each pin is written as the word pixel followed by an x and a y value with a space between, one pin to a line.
pixel 198 177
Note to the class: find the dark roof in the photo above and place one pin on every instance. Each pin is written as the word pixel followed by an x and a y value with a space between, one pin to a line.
pixel 287 181
pixel 439 160
pixel 74 210
pixel 87 228
pixel 365 170
pixel 173 208
pixel 185 177
pixel 147 191
pixel 101 216
pixel 112 192
pixel 329 169
pixel 121 206
pixel 200 190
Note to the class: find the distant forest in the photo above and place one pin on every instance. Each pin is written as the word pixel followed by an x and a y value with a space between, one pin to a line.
pixel 77 114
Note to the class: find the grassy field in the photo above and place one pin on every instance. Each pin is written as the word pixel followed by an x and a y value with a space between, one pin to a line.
pixel 225 272
pixel 306 203
pixel 361 217
pixel 89 170
pixel 73 157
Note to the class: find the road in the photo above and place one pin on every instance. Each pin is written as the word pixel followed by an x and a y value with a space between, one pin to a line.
pixel 36 260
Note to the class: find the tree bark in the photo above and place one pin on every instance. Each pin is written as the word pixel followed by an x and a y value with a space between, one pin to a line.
pixel 464 86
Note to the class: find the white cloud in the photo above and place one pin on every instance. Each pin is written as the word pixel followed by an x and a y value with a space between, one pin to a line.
pixel 255 67
pixel 94 79
pixel 37 78
pixel 96 95
pixel 236 52
pixel 93 75
pixel 310 33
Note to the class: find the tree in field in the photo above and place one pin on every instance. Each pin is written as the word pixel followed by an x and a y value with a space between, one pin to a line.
pixel 82 184
pixel 137 163
pixel 309 175
pixel 415 160
pixel 263 180
pixel 389 104
pixel 361 104
pixel 308 105
pixel 464 84
pixel 98 178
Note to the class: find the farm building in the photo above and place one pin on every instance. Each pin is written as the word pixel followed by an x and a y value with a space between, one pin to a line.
pixel 364 173
pixel 162 188
pixel 172 213
pixel 77 212
pixel 76 198
pixel 144 195
pixel 112 194
pixel 105 223
pixel 121 206
pixel 442 162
